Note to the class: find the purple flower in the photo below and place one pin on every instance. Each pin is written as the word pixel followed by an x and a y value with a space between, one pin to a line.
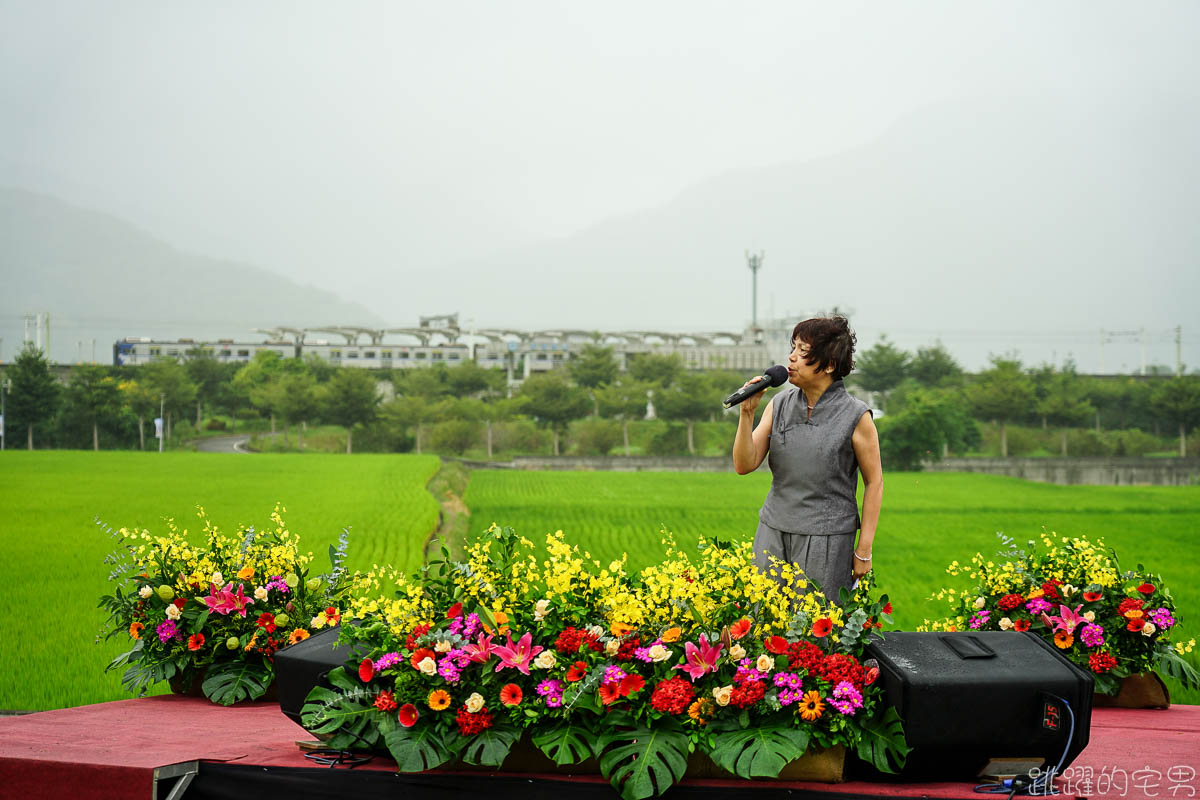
pixel 550 687
pixel 167 631
pixel 846 698
pixel 553 700
pixel 787 680
pixel 471 626
pixel 456 625
pixel 386 660
pixel 1038 606
pixel 448 670
pixel 278 583
pixel 1162 619
pixel 980 619
pixel 1092 635
pixel 613 674
pixel 789 696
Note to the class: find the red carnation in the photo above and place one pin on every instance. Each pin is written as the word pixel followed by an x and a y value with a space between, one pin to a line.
pixel 747 694
pixel 1050 589
pixel 625 653
pixel 572 640
pixel 386 701
pixel 1010 601
pixel 822 627
pixel 1146 588
pixel 804 655
pixel 672 696
pixel 577 672
pixel 840 667
pixel 455 611
pixel 366 671
pixel 195 641
pixel 180 602
pixel 1101 662
pixel 776 645
pixel 470 724
pixel 266 621
pixel 417 633
pixel 1130 604
pixel 1021 625
pixel 408 715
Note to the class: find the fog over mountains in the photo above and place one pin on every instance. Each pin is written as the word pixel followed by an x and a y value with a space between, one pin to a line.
pixel 1001 225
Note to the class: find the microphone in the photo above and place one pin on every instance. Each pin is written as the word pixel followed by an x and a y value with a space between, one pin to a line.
pixel 774 376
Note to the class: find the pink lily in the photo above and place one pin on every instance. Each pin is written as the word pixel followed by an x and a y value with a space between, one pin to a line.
pixel 220 601
pixel 239 600
pixel 1067 620
pixel 700 660
pixel 517 654
pixel 480 653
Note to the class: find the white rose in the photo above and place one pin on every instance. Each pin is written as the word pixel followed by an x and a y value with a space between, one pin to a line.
pixel 173 612
pixel 318 621
pixel 145 592
pixel 474 702
pixel 540 610
pixel 260 593
pixel 443 646
pixel 612 646
pixel 1148 629
pixel 427 665
pixel 980 602
pixel 1068 590
pixel 737 651
pixel 218 578
pixel 1090 616
pixel 1005 623
pixel 545 660
pixel 659 652
pixel 721 695
pixel 765 663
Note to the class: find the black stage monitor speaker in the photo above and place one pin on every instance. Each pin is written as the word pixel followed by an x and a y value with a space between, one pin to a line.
pixel 969 697
pixel 299 668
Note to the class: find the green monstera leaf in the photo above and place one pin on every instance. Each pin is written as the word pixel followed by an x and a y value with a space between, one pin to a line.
pixel 416 749
pixel 883 742
pixel 344 713
pixel 236 681
pixel 565 744
pixel 490 747
pixel 643 762
pixel 758 752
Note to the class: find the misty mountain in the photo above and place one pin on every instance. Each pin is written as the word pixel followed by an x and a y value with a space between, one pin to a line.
pixel 103 278
pixel 991 224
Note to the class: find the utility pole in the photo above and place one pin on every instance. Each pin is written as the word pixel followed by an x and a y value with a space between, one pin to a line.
pixel 1142 341
pixel 162 421
pixel 754 261
pixel 1178 351
pixel 5 385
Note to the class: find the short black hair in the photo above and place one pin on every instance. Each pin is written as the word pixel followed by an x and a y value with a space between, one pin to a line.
pixel 830 342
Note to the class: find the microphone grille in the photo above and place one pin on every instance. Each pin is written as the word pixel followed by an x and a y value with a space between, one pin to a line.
pixel 778 375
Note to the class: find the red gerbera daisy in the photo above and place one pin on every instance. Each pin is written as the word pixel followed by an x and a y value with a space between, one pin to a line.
pixel 1092 597
pixel 577 672
pixel 631 684
pixel 408 715
pixel 1021 625
pixel 609 693
pixel 455 611
pixel 195 641
pixel 1136 624
pixel 739 628
pixel 1146 588
pixel 822 627
pixel 266 621
pixel 511 695
pixel 420 655
pixel 366 670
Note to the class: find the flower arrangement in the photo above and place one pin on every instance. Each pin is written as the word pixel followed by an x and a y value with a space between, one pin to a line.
pixel 215 614
pixel 1073 592
pixel 700 652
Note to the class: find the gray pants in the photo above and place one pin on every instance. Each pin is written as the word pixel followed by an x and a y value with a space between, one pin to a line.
pixel 827 561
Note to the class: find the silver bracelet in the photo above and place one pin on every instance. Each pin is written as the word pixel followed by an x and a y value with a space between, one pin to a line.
pixel 860 558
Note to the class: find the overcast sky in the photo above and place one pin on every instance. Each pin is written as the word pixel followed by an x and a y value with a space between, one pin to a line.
pixel 346 143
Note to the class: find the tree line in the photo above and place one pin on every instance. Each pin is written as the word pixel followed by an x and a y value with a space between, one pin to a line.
pixel 931 405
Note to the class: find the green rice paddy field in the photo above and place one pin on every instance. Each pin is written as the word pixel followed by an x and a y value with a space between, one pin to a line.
pixel 53 552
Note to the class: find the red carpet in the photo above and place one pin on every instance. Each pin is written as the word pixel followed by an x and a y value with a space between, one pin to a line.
pixel 110 751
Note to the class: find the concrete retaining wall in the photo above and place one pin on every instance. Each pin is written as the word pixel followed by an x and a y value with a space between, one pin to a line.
pixel 1087 471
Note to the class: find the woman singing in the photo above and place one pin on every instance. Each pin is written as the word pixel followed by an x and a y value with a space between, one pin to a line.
pixel 819 438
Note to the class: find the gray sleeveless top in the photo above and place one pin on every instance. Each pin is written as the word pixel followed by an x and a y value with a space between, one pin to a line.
pixel 812 461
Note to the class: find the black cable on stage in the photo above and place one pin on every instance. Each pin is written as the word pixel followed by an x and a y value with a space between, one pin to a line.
pixel 1040 785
